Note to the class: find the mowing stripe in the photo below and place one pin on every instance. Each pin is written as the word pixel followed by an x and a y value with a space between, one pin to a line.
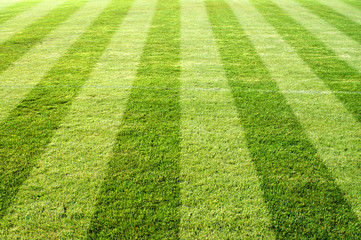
pixel 28 129
pixel 324 36
pixel 307 92
pixel 18 45
pixel 353 3
pixel 336 73
pixel 350 28
pixel 303 198
pixel 25 73
pixel 220 191
pixel 18 23
pixel 52 184
pixel 15 9
pixel 343 8
pixel 329 125
pixel 7 3
pixel 140 195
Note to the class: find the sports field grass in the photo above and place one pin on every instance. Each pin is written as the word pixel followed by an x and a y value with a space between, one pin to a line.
pixel 180 119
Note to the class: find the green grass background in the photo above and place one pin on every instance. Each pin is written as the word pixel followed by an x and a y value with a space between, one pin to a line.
pixel 193 129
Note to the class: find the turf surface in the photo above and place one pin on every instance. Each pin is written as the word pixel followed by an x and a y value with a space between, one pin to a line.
pixel 140 195
pixel 292 175
pixel 342 23
pixel 15 9
pixel 29 127
pixel 15 47
pixel 190 119
pixel 336 73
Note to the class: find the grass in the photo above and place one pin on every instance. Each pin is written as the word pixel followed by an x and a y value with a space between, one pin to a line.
pixel 140 194
pixel 336 73
pixel 330 127
pixel 15 9
pixel 220 190
pixel 345 9
pixel 19 44
pixel 20 22
pixel 18 80
pixel 190 119
pixel 295 181
pixel 30 126
pixel 354 3
pixel 83 128
pixel 342 23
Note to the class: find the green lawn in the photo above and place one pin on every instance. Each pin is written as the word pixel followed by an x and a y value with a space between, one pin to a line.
pixel 180 119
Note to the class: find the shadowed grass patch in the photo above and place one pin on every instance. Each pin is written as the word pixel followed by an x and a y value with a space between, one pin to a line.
pixel 300 191
pixel 140 194
pixel 28 129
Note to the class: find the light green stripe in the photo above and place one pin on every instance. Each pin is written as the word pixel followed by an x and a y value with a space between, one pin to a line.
pixel 20 78
pixel 18 23
pixel 331 128
pixel 220 191
pixel 7 3
pixel 343 8
pixel 71 171
pixel 346 48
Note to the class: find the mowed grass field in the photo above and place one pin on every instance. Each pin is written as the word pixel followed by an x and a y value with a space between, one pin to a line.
pixel 180 119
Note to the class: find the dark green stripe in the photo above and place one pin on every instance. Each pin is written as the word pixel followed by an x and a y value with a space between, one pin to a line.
pixel 140 196
pixel 342 23
pixel 336 73
pixel 300 192
pixel 26 132
pixel 16 9
pixel 18 45
pixel 354 3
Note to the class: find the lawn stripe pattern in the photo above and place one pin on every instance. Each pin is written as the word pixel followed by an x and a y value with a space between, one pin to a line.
pixel 220 191
pixel 180 119
pixel 20 22
pixel 7 3
pixel 18 45
pixel 343 24
pixel 140 195
pixel 354 3
pixel 344 9
pixel 29 127
pixel 26 72
pixel 330 126
pixel 330 45
pixel 15 9
pixel 64 180
pixel 336 73
pixel 295 181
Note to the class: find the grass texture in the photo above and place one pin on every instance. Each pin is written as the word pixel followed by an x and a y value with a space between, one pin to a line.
pixel 354 3
pixel 336 73
pixel 295 181
pixel 220 191
pixel 15 47
pixel 18 23
pixel 330 127
pixel 140 195
pixel 15 9
pixel 189 119
pixel 342 23
pixel 30 126
pixel 83 128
